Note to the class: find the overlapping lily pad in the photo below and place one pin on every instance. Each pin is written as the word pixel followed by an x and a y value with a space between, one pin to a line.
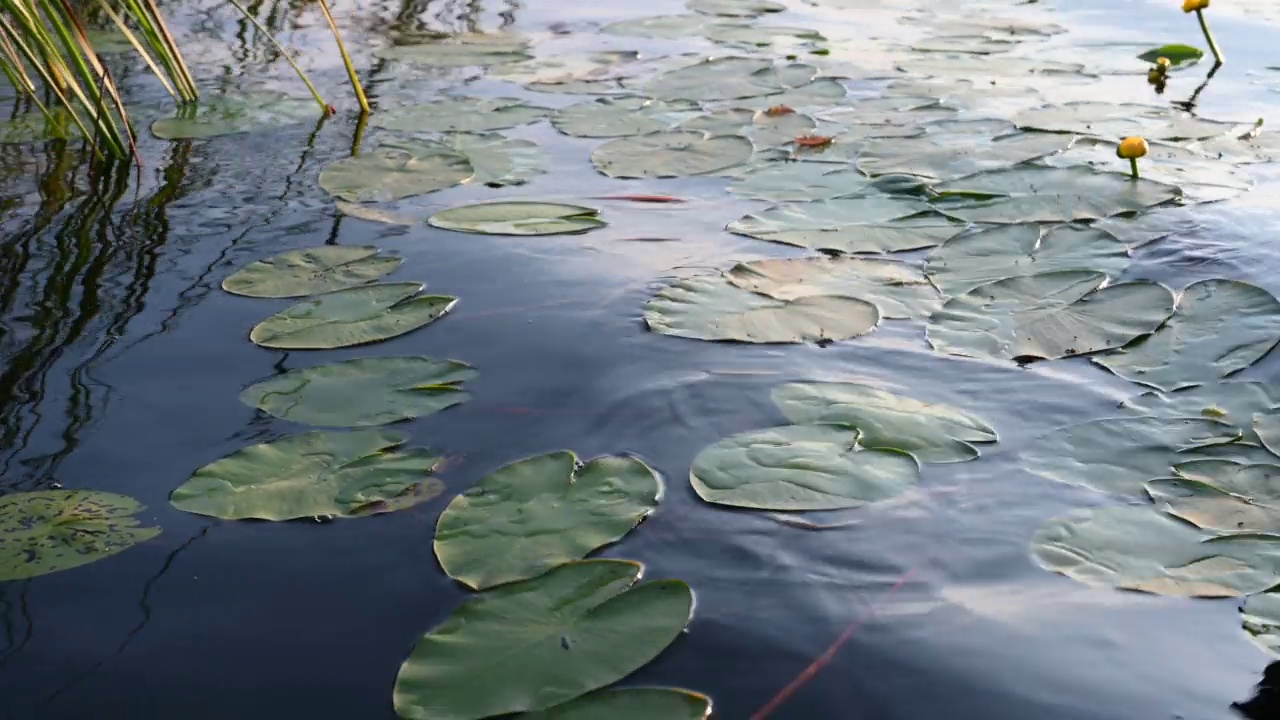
pixel 670 154
pixel 1231 402
pixel 851 225
pixel 667 27
pixel 967 261
pixel 799 182
pixel 899 290
pixel 1041 194
pixel 1200 177
pixel 530 646
pixel 518 218
pixel 30 127
pixel 474 115
pixel 1222 496
pixel 729 78
pixel 1266 426
pixel 1112 121
pixel 355 316
pixel 461 50
pixel 394 170
pixel 956 160
pixel 48 531
pixel 362 392
pixel 1260 616
pixel 496 160
pixel 297 273
pixel 799 467
pixel 620 117
pixel 765 130
pixel 530 516
pixel 630 704
pixel 236 114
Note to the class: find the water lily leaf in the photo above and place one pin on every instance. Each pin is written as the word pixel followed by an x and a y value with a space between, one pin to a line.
pixel 355 316
pixel 822 92
pixel 1138 230
pixel 797 181
pixel 518 218
pixel 1221 495
pixel 1113 121
pixel 462 50
pixel 533 515
pixel 1133 547
pixel 1119 455
pixel 666 27
pixel 984 67
pixel 765 131
pixel 1231 402
pixel 675 153
pixel 1200 178
pixel 968 44
pixel 735 8
pixel 319 474
pixel 1038 194
pixel 473 115
pixel 235 114
pixel 394 170
pixel 851 225
pixel 1267 427
pixel 1177 54
pixel 967 261
pixel 729 78
pixel 362 392
pixel 799 467
pixel 498 161
pixel 533 645
pixel 48 531
pixel 1220 327
pixel 631 704
pixel 1255 146
pixel 743 34
pixel 953 160
pixel 309 271
pixel 906 115
pixel 620 117
pixel 565 70
pixel 933 433
pixel 1260 616
pixel 710 308
pixel 1050 315
pixel 899 290
pixel 372 214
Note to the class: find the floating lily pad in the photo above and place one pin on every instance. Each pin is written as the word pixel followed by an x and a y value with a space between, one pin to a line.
pixel 899 290
pixel 462 50
pixel 968 44
pixel 1038 194
pixel 666 27
pixel 1260 616
pixel 394 170
pixel 753 35
pixel 362 392
pixel 630 704
pixel 355 316
pixel 1113 121
pixel 985 67
pixel 1177 54
pixel 729 78
pixel 473 115
pixel 967 261
pixel 851 225
pixel 1255 146
pixel 565 70
pixel 956 160
pixel 309 271
pixel 372 214
pixel 533 515
pixel 518 218
pixel 533 645
pixel 1201 178
pixel 822 92
pixel 735 8
pixel 670 154
pixel 1220 327
pixel 710 308
pixel 235 114
pixel 48 531
pixel 498 161
pixel 620 117
pixel 1230 402
pixel 933 433
pixel 1222 496
pixel 319 474
pixel 799 467
pixel 1267 427
pixel 796 181
pixel 765 130
pixel 1051 315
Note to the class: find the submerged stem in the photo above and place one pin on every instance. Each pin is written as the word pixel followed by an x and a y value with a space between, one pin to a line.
pixel 1208 36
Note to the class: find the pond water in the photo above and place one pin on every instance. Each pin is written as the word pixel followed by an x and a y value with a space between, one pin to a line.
pixel 123 360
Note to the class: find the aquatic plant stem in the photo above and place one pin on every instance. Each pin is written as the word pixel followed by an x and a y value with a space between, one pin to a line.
pixel 346 59
pixel 324 106
pixel 1208 36
pixel 1133 167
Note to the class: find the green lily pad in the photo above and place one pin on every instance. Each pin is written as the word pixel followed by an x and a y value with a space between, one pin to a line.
pixel 630 704
pixel 822 92
pixel 851 225
pixel 394 170
pixel 665 27
pixel 729 78
pixel 710 308
pixel 530 516
pixel 619 117
pixel 1267 427
pixel 955 160
pixel 498 161
pixel 800 467
pixel 967 261
pixel 1255 146
pixel 1220 327
pixel 373 214
pixel 1113 121
pixel 473 115
pixel 764 130
pixel 309 271
pixel 462 50
pixel 530 646
pixel 518 218
pixel 796 181
pixel 899 290
pixel 742 34
pixel 735 8
pixel 1222 496
pixel 319 474
pixel 988 68
pixel 1050 315
pixel 1230 402
pixel 1260 616
pixel 355 316
pixel 1133 547
pixel 1177 54
pixel 48 531
pixel 1201 178
pixel 966 44
pixel 933 433
pixel 1040 194
pixel 362 392
pixel 561 70
pixel 235 114
pixel 670 154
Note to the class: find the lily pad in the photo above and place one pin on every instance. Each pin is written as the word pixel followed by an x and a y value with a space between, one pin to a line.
pixel 498 161
pixel 742 34
pixel 565 70
pixel 1039 194
pixel 796 181
pixel 355 316
pixel 362 392
pixel 987 68
pixel 800 467
pixel 1267 427
pixel 1260 616
pixel 729 78
pixel 1113 121
pixel 670 154
pixel 764 130
pixel 472 115
pixel 235 114
pixel 710 308
pixel 851 225
pixel 899 290
pixel 530 646
pixel 1177 54
pixel 967 261
pixel 1230 402
pixel 309 271
pixel 666 27
pixel 933 433
pixel 518 218
pixel 735 8
pixel 319 474
pixel 533 515
pixel 630 704
pixel 48 531
pixel 1201 178
pixel 1222 496
pixel 619 117
pixel 394 170
pixel 1220 327
pixel 956 160
pixel 462 50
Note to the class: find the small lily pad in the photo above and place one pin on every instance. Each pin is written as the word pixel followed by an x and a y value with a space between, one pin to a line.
pixel 355 316
pixel 472 115
pixel 630 704
pixel 394 170
pixel 899 290
pixel 48 531
pixel 1177 54
pixel 235 114
pixel 518 218
pixel 298 273
pixel 670 154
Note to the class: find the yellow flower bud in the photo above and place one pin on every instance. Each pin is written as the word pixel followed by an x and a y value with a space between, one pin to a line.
pixel 1162 63
pixel 1132 148
pixel 1193 5
pixel 1155 77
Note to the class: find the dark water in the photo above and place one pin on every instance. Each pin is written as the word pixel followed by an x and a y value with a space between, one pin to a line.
pixel 122 361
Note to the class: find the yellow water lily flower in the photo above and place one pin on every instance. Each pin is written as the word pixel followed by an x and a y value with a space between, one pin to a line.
pixel 1132 148
pixel 1194 5
pixel 1162 63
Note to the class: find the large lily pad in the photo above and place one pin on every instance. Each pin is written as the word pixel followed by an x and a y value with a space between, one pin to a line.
pixel 355 316
pixel 235 114
pixel 619 117
pixel 362 392
pixel 309 271
pixel 729 78
pixel 670 154
pixel 1266 426
pixel 518 218
pixel 950 161
pixel 1112 121
pixel 799 467
pixel 1051 315
pixel 851 225
pixel 394 170
pixel 533 645
pixel 933 433
pixel 711 308
pixel 473 115
pixel 797 182
pixel 630 704
pixel 967 261
pixel 765 130
pixel 1219 328
pixel 565 71
pixel 1039 194
pixel 735 8
pixel 48 531
pixel 1231 402
pixel 530 516
pixel 462 50
pixel 319 474
pixel 899 290
pixel 1260 616
pixel 498 161
pixel 1222 495
pixel 1200 177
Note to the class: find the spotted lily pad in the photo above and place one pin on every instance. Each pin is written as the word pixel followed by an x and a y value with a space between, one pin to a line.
pixel 309 271
pixel 967 261
pixel 630 704
pixel 1040 194
pixel 796 181
pixel 48 531
pixel 518 218
pixel 235 114
pixel 851 225
pixel 1222 496
pixel 355 316
pixel 394 170
pixel 533 515
pixel 462 50
pixel 899 290
pixel 473 115
pixel 670 154
pixel 619 117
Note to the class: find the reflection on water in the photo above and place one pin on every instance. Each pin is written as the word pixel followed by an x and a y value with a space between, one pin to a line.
pixel 1265 703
